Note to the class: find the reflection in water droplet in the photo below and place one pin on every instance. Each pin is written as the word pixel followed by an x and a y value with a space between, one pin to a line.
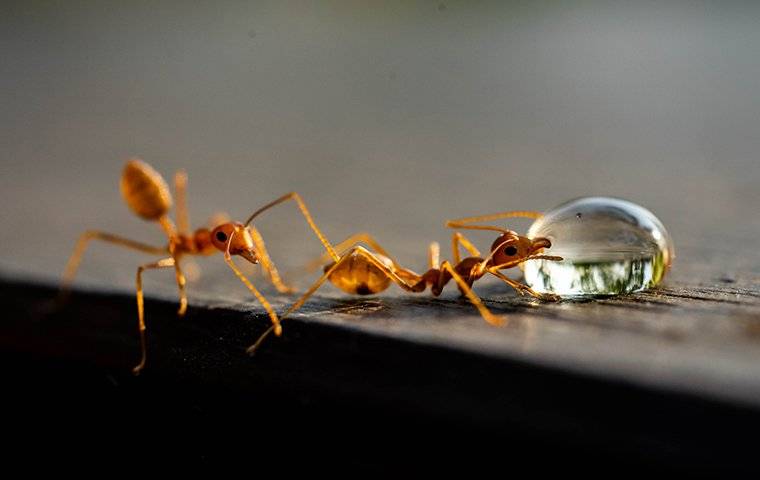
pixel 609 246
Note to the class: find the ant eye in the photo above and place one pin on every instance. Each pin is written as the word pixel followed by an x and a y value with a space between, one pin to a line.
pixel 510 250
pixel 221 236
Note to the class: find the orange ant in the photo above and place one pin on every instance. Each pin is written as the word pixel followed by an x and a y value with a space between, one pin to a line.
pixel 364 272
pixel 147 194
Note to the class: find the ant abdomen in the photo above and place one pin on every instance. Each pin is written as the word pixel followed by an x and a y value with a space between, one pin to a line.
pixel 357 275
pixel 145 190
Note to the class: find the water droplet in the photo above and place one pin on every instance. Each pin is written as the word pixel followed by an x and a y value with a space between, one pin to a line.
pixel 618 247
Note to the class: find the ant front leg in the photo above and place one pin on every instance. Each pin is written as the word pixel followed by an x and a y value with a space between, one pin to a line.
pixel 262 300
pixel 474 299
pixel 523 289
pixel 267 264
pixel 299 303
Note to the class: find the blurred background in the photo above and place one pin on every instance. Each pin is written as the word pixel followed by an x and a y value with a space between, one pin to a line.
pixel 386 116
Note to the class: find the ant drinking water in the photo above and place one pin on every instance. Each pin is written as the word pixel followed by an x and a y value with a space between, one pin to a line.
pixel 364 272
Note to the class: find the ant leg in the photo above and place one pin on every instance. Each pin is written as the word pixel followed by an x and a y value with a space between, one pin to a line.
pixel 305 212
pixel 359 250
pixel 164 263
pixel 183 228
pixel 192 270
pixel 403 277
pixel 474 299
pixel 467 221
pixel 167 226
pixel 180 188
pixel 406 279
pixel 263 301
pixel 314 287
pixel 458 239
pixel 181 282
pixel 267 264
pixel 81 246
pixel 514 263
pixel 362 237
pixel 299 303
pixel 434 255
pixel 522 289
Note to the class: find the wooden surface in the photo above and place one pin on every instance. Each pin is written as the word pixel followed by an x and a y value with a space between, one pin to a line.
pixel 661 381
pixel 329 397
pixel 698 333
pixel 389 124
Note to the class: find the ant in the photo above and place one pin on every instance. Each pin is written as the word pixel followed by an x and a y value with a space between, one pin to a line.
pixel 362 271
pixel 145 191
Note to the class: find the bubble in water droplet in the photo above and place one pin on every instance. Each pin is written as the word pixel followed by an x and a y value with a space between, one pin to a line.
pixel 609 246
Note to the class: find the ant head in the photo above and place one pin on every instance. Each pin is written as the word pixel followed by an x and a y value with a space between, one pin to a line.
pixel 511 247
pixel 236 238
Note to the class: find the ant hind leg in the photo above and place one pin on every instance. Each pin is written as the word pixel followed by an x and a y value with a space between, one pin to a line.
pixel 76 257
pixel 349 242
pixel 358 250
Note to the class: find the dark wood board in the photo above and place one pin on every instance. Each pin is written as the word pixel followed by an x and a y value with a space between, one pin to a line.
pixel 377 402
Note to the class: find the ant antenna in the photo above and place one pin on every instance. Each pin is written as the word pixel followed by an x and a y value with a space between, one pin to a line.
pixel 465 222
pixel 265 207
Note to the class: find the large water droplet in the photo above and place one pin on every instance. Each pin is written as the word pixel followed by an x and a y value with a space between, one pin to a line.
pixel 609 246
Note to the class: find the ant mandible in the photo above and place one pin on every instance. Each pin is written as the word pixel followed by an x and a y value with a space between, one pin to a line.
pixel 147 194
pixel 364 272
